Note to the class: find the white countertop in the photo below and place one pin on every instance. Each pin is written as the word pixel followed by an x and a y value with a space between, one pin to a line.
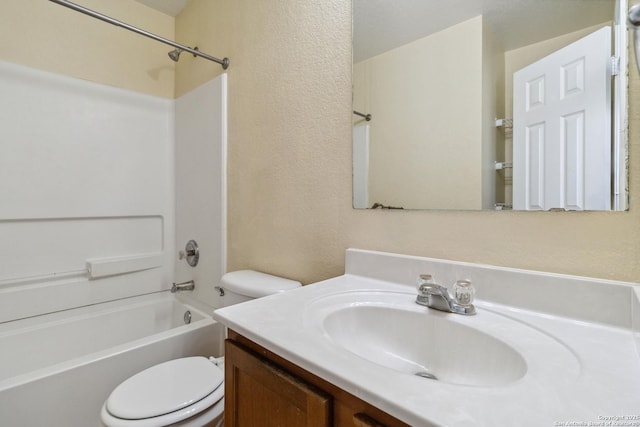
pixel 594 377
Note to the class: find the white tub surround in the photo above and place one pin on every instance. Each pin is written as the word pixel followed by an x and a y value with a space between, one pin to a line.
pixel 88 175
pixel 92 180
pixel 86 181
pixel 201 184
pixel 574 334
pixel 77 357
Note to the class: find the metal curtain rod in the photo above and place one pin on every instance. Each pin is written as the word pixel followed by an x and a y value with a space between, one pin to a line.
pixel 367 117
pixel 224 62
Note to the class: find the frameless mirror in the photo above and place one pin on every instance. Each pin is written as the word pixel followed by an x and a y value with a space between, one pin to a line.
pixel 490 104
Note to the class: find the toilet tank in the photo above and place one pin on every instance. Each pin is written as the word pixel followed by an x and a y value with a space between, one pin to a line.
pixel 245 285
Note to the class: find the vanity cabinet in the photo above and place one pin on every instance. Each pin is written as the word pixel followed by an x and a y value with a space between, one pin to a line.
pixel 262 388
pixel 259 393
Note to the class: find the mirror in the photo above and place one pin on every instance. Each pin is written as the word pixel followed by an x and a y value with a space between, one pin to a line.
pixel 463 104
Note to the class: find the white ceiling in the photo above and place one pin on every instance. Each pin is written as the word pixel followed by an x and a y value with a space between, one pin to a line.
pixel 170 7
pixel 381 25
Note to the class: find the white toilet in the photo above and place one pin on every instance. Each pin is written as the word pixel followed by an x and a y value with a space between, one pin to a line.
pixel 186 392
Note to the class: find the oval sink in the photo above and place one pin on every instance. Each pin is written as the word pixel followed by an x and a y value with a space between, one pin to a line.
pixel 430 345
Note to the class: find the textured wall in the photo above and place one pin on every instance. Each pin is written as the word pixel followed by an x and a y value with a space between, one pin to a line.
pixel 290 160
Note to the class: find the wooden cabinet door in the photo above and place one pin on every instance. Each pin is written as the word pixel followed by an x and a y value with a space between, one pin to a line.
pixel 363 420
pixel 258 393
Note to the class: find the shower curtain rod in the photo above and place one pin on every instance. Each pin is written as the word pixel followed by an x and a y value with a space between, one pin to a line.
pixel 224 62
pixel 367 117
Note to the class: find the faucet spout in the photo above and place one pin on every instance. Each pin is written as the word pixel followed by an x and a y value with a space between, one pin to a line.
pixel 184 286
pixel 437 297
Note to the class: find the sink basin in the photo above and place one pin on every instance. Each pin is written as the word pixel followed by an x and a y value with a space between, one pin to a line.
pixel 429 345
pixel 390 330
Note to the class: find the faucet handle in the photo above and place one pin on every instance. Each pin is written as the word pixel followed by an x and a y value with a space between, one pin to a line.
pixel 464 292
pixel 191 253
pixel 424 280
pixel 426 285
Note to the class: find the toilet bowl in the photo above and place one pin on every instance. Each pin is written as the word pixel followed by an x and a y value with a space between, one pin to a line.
pixel 186 392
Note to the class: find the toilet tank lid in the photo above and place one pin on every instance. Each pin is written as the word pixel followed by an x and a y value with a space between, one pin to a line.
pixel 255 284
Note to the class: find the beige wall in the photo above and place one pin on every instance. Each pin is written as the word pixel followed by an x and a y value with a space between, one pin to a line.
pixel 289 144
pixel 289 179
pixel 49 37
pixel 290 161
pixel 426 134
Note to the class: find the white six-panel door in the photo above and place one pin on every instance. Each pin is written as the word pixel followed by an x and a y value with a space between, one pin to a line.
pixel 562 128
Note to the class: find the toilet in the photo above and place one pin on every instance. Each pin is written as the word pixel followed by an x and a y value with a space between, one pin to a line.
pixel 186 392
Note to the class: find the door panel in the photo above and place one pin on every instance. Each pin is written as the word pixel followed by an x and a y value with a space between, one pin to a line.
pixel 259 393
pixel 562 128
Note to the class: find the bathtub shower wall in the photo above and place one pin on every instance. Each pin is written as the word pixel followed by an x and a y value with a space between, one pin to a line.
pixel 86 173
pixel 87 185
pixel 201 158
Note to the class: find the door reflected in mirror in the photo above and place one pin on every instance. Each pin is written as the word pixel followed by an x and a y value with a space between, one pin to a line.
pixel 489 105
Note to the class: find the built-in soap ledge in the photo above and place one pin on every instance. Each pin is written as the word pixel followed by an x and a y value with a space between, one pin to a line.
pixel 103 267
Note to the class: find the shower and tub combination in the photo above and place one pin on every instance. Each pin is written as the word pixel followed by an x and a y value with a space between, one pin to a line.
pixel 85 364
pixel 96 205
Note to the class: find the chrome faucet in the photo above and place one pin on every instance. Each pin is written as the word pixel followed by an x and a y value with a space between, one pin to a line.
pixel 432 295
pixel 184 286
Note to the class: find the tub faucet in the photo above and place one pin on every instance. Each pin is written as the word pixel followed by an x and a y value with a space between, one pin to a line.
pixel 436 296
pixel 184 286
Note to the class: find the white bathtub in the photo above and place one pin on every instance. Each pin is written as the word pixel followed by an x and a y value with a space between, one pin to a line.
pixel 57 369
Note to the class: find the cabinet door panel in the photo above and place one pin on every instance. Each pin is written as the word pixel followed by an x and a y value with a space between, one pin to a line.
pixel 363 420
pixel 258 393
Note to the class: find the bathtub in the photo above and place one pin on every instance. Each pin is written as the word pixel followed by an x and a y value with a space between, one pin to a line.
pixel 58 369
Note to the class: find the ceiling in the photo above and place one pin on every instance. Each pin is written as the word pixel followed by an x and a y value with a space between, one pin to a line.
pixel 381 25
pixel 170 7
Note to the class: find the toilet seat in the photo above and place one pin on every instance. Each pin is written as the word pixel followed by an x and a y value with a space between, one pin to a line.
pixel 166 394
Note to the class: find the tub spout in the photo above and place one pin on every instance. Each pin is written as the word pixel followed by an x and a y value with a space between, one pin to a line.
pixel 184 286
